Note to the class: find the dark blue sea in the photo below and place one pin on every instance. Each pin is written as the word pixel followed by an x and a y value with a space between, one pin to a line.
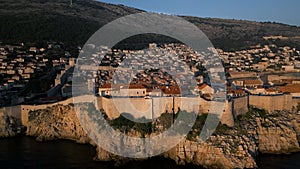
pixel 25 152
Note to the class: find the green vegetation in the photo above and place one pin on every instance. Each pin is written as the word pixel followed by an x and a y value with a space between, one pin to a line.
pixel 199 124
pixel 122 123
pixel 36 21
pixel 142 41
pixel 262 112
pixel 125 125
pixel 251 113
pixel 163 123
pixel 221 129
pixel 34 27
pixel 166 120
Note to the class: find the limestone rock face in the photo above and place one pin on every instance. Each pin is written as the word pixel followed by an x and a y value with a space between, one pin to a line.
pixel 211 156
pixel 199 154
pixel 235 148
pixel 278 135
pixel 58 122
pixel 9 126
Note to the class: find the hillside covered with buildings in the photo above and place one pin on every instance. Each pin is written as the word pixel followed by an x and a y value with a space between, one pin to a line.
pixel 40 85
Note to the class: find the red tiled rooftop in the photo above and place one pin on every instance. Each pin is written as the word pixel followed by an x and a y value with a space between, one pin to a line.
pixel 124 86
pixel 253 82
pixel 202 86
pixel 170 89
pixel 289 88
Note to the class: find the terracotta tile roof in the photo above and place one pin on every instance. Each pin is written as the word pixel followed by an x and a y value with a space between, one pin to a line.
pixel 170 89
pixel 136 86
pixel 237 92
pixel 229 91
pixel 122 86
pixel 253 82
pixel 106 86
pixel 287 80
pixel 202 86
pixel 289 88
pixel 149 90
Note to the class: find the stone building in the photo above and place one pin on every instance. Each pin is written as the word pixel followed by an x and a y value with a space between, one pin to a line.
pixel 123 90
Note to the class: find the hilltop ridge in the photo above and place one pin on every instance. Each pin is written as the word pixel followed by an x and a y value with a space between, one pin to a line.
pixel 42 20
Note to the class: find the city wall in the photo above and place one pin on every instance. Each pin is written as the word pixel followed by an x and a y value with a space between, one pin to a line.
pixel 272 102
pixel 22 111
pixel 148 108
pixel 227 116
pixel 154 107
pixel 239 105
pixel 138 107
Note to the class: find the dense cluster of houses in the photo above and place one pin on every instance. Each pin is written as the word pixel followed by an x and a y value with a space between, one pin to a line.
pixel 262 70
pixel 243 68
pixel 20 63
pixel 156 68
pixel 262 58
pixel 274 85
pixel 154 76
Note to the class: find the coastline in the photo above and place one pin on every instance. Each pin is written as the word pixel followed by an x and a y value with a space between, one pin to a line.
pixel 236 148
pixel 265 161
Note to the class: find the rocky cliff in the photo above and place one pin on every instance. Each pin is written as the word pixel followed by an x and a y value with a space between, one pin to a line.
pixel 236 147
pixel 9 126
pixel 254 133
pixel 279 134
pixel 58 122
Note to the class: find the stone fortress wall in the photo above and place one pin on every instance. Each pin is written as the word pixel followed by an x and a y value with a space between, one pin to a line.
pixel 141 107
pixel 22 111
pixel 239 105
pixel 272 102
